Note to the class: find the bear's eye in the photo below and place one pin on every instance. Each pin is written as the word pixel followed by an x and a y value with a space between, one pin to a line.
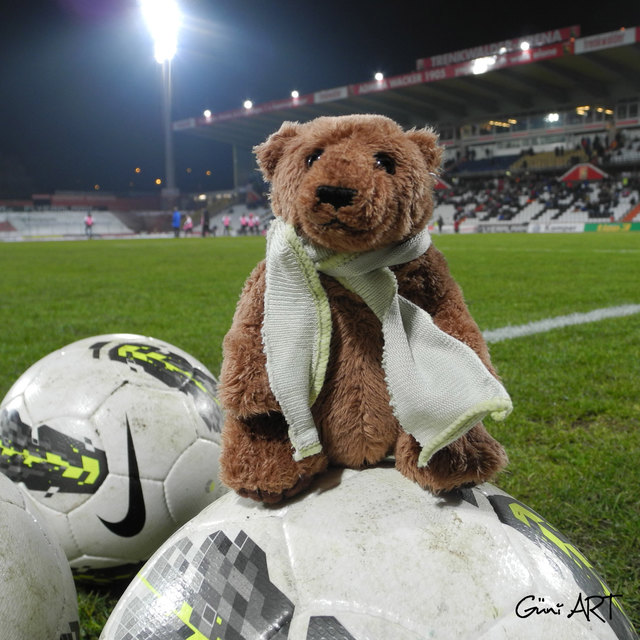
pixel 312 157
pixel 385 161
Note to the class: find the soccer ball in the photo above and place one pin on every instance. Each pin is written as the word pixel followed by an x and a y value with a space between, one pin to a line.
pixel 368 554
pixel 38 598
pixel 115 439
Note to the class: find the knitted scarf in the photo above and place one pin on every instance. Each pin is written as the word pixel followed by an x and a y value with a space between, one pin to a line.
pixel 438 386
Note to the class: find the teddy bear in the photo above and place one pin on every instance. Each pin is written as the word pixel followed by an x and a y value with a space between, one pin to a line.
pixel 351 341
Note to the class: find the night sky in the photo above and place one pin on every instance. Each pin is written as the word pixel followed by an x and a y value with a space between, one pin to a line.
pixel 80 92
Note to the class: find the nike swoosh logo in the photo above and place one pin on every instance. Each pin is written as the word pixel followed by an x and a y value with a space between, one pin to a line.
pixel 133 522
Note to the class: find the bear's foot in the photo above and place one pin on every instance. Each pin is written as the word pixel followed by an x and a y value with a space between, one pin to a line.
pixel 257 459
pixel 270 497
pixel 474 458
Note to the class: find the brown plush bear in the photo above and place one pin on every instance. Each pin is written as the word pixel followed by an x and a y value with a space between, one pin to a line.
pixel 331 358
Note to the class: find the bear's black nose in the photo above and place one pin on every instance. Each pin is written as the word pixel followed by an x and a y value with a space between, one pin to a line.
pixel 335 196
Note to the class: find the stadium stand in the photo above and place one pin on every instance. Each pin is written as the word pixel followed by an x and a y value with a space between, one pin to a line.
pixel 52 225
pixel 537 198
pixel 512 199
pixel 512 127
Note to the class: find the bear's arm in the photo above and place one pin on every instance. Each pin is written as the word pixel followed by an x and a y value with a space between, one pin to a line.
pixel 244 385
pixel 427 282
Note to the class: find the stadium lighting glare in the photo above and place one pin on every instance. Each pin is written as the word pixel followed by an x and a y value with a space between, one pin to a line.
pixel 247 104
pixel 163 21
pixel 295 94
pixel 379 77
pixel 482 65
pixel 206 113
pixel 525 46
pixel 552 117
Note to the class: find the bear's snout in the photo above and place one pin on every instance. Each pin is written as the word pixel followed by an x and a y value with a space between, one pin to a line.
pixel 337 197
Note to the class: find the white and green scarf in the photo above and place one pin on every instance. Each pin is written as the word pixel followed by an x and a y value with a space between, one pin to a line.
pixel 439 387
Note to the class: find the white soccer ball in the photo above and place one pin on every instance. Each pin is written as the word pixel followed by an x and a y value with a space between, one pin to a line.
pixel 115 439
pixel 369 555
pixel 38 598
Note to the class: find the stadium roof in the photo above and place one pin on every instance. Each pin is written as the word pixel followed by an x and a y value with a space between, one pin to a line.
pixel 559 71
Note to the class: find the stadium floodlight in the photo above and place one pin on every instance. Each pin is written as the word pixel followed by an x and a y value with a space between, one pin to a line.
pixel 248 105
pixel 295 94
pixel 163 21
pixel 207 113
pixel 379 77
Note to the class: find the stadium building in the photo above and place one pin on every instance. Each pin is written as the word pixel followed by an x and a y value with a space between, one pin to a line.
pixel 544 128
pixel 541 133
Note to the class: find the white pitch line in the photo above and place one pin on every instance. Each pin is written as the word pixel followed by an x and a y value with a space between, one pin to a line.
pixel 518 331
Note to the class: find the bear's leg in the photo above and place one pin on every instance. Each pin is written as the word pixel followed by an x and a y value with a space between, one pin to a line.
pixel 257 459
pixel 474 458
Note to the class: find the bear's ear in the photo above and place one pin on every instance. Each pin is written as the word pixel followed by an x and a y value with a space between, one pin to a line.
pixel 272 149
pixel 427 142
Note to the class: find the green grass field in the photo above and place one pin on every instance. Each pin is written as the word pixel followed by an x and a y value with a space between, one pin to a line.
pixel 573 437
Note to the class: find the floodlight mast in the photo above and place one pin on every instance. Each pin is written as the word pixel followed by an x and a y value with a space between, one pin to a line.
pixel 163 21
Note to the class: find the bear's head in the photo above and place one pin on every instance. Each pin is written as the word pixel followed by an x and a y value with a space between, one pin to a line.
pixel 351 183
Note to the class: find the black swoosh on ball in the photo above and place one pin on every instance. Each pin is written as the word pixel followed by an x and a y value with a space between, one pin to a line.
pixel 133 522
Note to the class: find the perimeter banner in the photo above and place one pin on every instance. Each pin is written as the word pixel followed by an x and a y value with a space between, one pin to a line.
pixel 506 46
pixel 608 40
pixel 555 227
pixel 613 227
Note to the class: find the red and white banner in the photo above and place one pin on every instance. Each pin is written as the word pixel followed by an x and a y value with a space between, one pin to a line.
pixel 188 123
pixel 395 82
pixel 405 80
pixel 473 67
pixel 607 40
pixel 506 46
pixel 328 95
pixel 551 44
